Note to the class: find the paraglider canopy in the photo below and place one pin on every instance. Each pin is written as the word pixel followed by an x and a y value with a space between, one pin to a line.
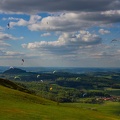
pixel 84 94
pixel 11 67
pixel 41 80
pixel 22 61
pixel 8 25
pixel 50 88
pixel 115 41
pixel 38 76
pixel 17 78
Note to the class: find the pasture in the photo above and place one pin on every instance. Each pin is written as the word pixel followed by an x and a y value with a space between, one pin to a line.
pixel 16 105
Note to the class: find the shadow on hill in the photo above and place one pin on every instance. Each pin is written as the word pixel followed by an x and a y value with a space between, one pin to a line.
pixel 20 94
pixel 9 84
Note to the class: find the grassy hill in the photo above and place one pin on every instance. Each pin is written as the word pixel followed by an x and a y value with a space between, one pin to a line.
pixel 18 105
pixel 10 84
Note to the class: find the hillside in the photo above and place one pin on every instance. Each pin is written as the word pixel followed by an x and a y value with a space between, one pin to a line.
pixel 10 84
pixel 17 105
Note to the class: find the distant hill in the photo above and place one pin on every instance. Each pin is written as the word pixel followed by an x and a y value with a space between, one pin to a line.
pixel 14 71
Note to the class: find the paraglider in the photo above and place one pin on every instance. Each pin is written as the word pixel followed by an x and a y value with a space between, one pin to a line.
pixel 17 78
pixel 51 88
pixel 84 94
pixel 114 41
pixel 22 61
pixel 41 81
pixel 8 25
pixel 38 76
pixel 11 67
pixel 78 78
pixel 54 72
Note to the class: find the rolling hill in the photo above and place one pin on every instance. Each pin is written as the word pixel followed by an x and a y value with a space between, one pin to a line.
pixel 10 84
pixel 19 105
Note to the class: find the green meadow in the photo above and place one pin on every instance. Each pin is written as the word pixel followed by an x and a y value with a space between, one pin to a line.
pixel 17 105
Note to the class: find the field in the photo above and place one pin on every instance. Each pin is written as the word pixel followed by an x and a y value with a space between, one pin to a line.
pixel 113 91
pixel 16 105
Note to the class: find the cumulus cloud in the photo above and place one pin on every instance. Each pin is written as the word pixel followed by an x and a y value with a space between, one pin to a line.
pixel 66 43
pixel 21 22
pixel 102 31
pixel 5 36
pixel 69 21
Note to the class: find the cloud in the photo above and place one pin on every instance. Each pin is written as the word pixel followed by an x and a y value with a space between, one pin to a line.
pixel 74 21
pixel 21 6
pixel 11 18
pixel 111 13
pixel 1 53
pixel 69 21
pixel 102 31
pixel 45 34
pixel 11 54
pixel 34 19
pixel 1 28
pixel 5 36
pixel 3 44
pixel 21 22
pixel 67 43
pixel 103 54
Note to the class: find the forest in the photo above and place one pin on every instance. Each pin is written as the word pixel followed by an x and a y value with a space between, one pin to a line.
pixel 90 87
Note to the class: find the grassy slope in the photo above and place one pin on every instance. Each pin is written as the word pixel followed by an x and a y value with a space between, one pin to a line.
pixel 16 105
pixel 10 84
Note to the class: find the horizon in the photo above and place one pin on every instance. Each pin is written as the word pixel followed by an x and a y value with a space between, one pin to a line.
pixel 77 70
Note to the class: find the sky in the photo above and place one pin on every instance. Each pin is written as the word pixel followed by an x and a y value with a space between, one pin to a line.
pixel 60 33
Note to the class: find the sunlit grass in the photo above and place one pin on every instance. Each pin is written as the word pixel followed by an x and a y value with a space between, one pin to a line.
pixel 16 105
